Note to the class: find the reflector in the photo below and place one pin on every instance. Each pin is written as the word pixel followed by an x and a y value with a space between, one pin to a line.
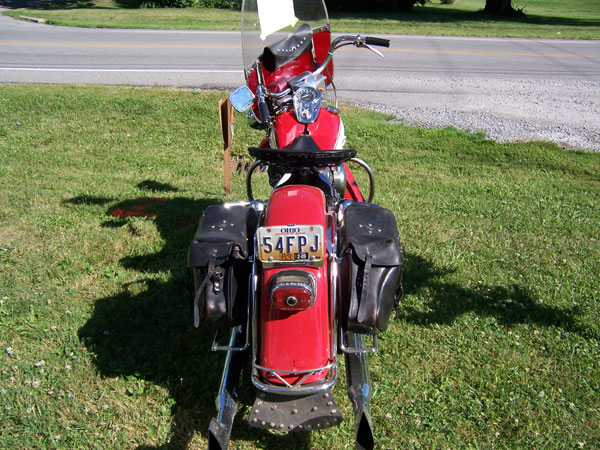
pixel 293 290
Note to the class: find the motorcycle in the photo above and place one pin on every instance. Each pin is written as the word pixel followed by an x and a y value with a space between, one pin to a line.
pixel 315 272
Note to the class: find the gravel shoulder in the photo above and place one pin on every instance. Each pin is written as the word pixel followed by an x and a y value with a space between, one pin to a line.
pixel 565 112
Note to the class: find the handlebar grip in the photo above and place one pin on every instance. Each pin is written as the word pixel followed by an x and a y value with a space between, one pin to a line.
pixel 263 109
pixel 377 41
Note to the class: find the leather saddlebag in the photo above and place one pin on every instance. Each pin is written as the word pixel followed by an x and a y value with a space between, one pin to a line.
pixel 371 268
pixel 218 263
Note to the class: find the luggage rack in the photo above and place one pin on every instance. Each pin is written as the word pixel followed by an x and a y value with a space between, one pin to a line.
pixel 295 387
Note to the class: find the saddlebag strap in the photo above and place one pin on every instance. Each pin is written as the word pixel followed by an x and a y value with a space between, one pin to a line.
pixel 210 272
pixel 367 310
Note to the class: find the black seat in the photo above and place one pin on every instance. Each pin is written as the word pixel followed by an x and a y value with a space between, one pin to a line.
pixel 302 152
pixel 302 158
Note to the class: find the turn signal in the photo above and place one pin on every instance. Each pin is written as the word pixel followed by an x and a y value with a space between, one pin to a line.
pixel 293 290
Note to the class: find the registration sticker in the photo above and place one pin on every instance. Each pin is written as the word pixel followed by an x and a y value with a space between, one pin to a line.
pixel 291 243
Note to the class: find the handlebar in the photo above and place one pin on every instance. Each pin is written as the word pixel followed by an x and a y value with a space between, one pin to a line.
pixel 357 41
pixel 377 41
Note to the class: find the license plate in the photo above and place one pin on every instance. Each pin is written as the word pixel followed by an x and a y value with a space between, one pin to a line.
pixel 292 243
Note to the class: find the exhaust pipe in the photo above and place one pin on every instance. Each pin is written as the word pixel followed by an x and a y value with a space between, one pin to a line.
pixel 359 392
pixel 219 430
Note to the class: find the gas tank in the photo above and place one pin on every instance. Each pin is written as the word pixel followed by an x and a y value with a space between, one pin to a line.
pixel 327 131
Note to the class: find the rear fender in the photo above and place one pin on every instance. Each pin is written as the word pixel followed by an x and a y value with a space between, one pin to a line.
pixel 294 343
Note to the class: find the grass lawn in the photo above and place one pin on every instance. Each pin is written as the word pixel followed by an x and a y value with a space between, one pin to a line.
pixel 578 19
pixel 495 345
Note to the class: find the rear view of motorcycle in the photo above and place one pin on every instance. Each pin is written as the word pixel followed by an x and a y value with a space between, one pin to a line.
pixel 315 271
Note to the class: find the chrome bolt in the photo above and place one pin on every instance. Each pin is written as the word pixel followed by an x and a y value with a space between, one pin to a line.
pixel 294 411
pixel 334 411
pixel 315 408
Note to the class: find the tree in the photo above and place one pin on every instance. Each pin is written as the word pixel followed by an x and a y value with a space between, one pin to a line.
pixel 501 8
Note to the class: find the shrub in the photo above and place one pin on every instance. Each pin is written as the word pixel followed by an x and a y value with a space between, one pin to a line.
pixel 372 5
pixel 221 4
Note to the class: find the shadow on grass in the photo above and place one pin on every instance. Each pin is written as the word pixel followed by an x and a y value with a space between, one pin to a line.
pixel 145 333
pixel 454 15
pixel 508 305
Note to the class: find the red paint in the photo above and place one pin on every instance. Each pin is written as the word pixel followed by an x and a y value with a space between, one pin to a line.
pixel 299 340
pixel 352 190
pixel 324 131
pixel 321 42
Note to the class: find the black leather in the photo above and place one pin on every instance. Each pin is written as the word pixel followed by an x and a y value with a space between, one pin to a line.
pixel 371 268
pixel 372 230
pixel 218 262
pixel 280 53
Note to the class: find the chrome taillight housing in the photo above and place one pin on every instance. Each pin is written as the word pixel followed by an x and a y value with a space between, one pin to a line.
pixel 293 290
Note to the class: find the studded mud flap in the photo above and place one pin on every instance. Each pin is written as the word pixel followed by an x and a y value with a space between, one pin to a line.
pixel 294 413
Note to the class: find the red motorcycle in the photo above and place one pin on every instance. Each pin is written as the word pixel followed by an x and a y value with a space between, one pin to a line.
pixel 305 277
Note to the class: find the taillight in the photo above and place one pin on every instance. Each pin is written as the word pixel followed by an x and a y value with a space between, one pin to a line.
pixel 293 290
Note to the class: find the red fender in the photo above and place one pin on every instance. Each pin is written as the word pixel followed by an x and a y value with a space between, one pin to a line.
pixel 301 340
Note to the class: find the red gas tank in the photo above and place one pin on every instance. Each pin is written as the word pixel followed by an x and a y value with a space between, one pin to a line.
pixel 296 325
pixel 325 131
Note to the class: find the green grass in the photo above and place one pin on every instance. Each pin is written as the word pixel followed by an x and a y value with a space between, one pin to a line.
pixel 495 344
pixel 579 19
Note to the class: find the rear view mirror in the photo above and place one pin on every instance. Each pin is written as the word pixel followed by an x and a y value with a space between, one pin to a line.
pixel 242 98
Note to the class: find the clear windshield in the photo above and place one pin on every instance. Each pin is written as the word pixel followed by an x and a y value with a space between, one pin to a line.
pixel 268 21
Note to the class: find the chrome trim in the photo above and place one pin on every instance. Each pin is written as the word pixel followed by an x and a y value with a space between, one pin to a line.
pixel 221 400
pixel 254 308
pixel 335 280
pixel 369 171
pixel 312 287
pixel 342 211
pixel 358 346
pixel 297 388
pixel 229 348
pixel 272 264
pixel 294 372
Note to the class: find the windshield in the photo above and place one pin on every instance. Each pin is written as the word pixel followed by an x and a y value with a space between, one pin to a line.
pixel 265 22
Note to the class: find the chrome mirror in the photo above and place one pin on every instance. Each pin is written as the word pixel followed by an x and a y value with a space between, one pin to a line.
pixel 242 98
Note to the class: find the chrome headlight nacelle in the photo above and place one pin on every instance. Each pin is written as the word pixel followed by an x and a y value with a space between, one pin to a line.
pixel 308 96
pixel 307 103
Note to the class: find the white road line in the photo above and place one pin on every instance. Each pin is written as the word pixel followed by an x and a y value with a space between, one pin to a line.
pixel 42 69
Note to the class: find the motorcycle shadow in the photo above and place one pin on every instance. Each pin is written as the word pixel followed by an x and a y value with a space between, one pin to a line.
pixel 144 333
pixel 509 305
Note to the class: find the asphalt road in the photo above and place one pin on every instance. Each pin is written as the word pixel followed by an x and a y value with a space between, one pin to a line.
pixel 513 89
